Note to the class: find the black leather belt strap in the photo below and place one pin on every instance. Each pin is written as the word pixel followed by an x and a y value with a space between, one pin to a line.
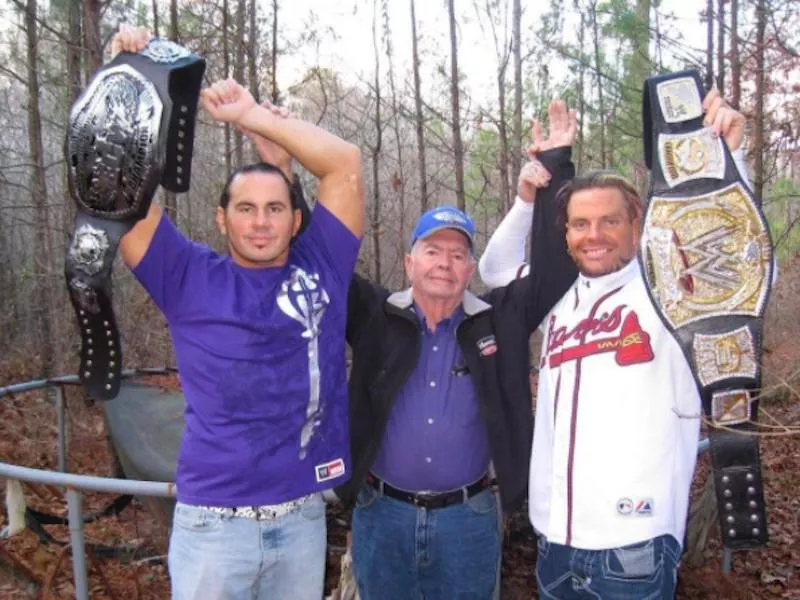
pixel 707 260
pixel 430 500
pixel 131 130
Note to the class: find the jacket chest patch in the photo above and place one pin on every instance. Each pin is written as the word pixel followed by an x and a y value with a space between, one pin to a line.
pixel 487 345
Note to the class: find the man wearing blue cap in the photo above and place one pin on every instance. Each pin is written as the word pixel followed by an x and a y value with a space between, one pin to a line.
pixel 440 403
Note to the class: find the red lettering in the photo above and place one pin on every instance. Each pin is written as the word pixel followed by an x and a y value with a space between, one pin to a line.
pixel 605 323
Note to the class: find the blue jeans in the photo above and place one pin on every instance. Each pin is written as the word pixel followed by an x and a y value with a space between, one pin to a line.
pixel 642 571
pixel 213 557
pixel 401 552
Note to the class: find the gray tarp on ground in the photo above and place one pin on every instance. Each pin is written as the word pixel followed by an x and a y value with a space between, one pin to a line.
pixel 146 423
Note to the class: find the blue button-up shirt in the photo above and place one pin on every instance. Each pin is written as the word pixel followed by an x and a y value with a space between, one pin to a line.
pixel 435 439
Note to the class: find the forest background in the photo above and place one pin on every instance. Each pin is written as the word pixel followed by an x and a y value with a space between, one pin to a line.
pixel 439 95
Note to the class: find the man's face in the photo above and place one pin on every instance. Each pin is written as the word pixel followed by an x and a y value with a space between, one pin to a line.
pixel 259 221
pixel 600 233
pixel 441 266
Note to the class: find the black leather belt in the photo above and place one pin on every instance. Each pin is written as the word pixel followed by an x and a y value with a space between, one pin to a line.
pixel 131 130
pixel 706 257
pixel 427 499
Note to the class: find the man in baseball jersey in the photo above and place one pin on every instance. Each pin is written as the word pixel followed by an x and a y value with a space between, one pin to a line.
pixel 259 337
pixel 617 411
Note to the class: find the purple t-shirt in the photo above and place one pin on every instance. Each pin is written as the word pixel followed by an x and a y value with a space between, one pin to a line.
pixel 261 354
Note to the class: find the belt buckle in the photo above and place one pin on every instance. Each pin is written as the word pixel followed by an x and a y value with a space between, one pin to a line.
pixel 423 499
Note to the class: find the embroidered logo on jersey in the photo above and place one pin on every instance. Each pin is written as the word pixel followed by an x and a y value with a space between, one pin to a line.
pixel 637 507
pixel 630 346
pixel 624 506
pixel 487 345
pixel 330 470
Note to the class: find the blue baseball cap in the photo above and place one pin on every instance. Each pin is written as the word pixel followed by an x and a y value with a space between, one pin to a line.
pixel 440 218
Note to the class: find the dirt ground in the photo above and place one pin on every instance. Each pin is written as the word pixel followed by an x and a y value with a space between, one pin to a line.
pixel 32 569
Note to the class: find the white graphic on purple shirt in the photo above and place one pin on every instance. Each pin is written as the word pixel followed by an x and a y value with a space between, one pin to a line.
pixel 303 299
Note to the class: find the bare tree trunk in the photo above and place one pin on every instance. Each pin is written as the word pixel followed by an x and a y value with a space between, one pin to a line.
pixel 75 85
pixel 516 134
pixel 174 33
pixel 170 198
pixel 91 34
pixel 659 46
pixel 38 189
pixel 418 118
pixel 238 73
pixel 155 18
pixel 458 146
pixel 275 98
pixel 399 180
pixel 376 151
pixel 505 191
pixel 599 81
pixel 637 71
pixel 252 51
pixel 721 46
pixel 736 69
pixel 758 134
pixel 709 44
pixel 252 61
pixel 581 88
pixel 226 65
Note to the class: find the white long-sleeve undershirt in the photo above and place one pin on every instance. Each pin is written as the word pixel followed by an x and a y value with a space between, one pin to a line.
pixel 504 257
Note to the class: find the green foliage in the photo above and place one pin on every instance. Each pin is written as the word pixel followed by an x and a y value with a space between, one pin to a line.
pixel 482 164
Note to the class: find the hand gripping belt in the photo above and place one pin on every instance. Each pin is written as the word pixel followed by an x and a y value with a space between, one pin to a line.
pixel 707 261
pixel 131 130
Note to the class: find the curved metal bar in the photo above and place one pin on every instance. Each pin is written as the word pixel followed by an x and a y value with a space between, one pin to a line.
pixel 89 482
pixel 36 384
pixel 76 539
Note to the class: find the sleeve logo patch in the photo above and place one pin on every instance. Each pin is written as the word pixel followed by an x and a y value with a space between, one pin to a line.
pixel 329 470
pixel 487 345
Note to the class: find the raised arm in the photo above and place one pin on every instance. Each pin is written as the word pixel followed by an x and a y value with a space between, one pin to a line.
pixel 335 162
pixel 552 270
pixel 503 261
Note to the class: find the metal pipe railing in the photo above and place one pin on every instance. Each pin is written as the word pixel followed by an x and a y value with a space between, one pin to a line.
pixel 75 483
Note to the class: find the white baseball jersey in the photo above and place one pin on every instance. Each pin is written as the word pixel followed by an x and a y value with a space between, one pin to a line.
pixel 617 419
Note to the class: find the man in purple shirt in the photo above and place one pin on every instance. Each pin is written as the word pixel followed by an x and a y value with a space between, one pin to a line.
pixel 440 403
pixel 259 340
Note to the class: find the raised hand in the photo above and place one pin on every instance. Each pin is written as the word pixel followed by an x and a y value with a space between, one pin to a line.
pixel 227 101
pixel 130 39
pixel 726 121
pixel 269 151
pixel 532 176
pixel 563 127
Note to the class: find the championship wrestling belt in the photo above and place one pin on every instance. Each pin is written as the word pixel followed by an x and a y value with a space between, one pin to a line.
pixel 131 130
pixel 706 257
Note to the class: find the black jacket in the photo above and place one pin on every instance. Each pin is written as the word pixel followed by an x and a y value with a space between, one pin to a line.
pixel 384 335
